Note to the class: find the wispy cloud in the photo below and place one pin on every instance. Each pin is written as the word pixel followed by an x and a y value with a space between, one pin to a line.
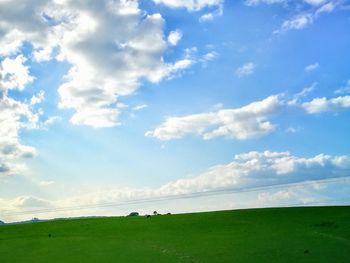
pixel 312 67
pixel 257 2
pixel 140 107
pixel 191 5
pixel 344 90
pixel 245 70
pixel 302 20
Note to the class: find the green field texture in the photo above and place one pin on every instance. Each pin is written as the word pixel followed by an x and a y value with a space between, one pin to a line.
pixel 313 234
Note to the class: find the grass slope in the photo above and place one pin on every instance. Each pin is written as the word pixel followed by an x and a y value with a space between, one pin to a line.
pixel 319 234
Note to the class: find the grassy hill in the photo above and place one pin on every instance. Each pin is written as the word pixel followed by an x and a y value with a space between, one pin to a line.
pixel 319 234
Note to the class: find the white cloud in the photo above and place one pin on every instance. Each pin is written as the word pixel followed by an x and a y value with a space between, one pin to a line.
pixel 191 5
pixel 210 56
pixel 99 75
pixel 245 70
pixel 256 169
pixel 111 46
pixel 257 2
pixel 315 2
pixel 306 91
pixel 302 94
pixel 36 99
pixel 140 107
pixel 14 74
pixel 327 8
pixel 345 89
pixel 303 20
pixel 323 104
pixel 51 120
pixel 298 22
pixel 242 123
pixel 14 116
pixel 174 37
pixel 42 54
pixel 211 15
pixel 24 22
pixel 284 2
pixel 312 67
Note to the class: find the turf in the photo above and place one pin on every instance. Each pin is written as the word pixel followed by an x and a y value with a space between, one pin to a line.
pixel 315 234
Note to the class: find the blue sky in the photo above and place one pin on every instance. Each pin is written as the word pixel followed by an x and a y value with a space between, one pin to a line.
pixel 113 101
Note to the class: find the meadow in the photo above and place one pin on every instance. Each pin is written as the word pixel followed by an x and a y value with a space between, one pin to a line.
pixel 303 234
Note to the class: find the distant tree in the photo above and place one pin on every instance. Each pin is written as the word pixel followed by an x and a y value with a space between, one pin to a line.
pixel 155 213
pixel 2 223
pixel 134 214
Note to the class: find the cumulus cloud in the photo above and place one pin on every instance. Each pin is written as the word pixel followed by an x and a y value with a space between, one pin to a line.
pixel 14 74
pixel 191 5
pixel 323 104
pixel 312 67
pixel 26 22
pixel 36 99
pixel 14 116
pixel 211 15
pixel 111 55
pixel 111 46
pixel 242 123
pixel 174 37
pixel 196 5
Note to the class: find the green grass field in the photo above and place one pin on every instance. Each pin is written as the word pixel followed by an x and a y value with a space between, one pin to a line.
pixel 320 234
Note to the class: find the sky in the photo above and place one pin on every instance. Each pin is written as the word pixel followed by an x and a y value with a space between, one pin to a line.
pixel 192 105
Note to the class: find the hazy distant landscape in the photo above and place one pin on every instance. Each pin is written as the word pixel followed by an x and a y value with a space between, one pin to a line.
pixel 312 234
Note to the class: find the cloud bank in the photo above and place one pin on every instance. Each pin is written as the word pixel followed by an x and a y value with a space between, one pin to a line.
pixel 246 171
